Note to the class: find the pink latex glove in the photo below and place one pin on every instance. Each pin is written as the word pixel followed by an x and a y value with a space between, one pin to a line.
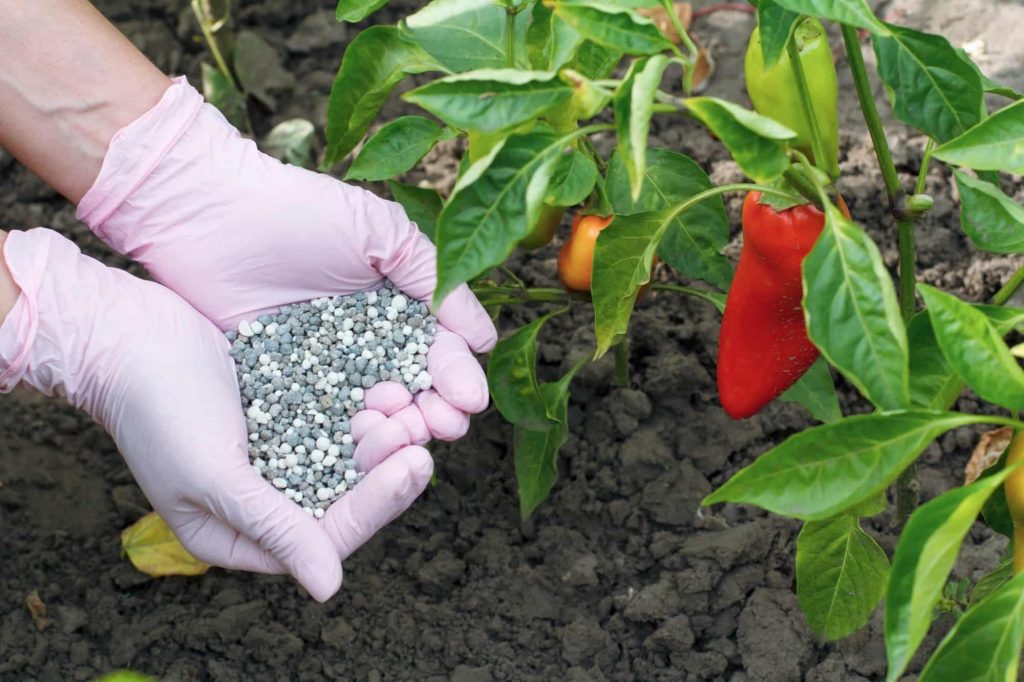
pixel 237 233
pixel 156 374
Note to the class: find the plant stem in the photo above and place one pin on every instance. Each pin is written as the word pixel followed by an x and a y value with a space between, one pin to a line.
pixel 821 159
pixel 689 203
pixel 690 63
pixel 907 489
pixel 1010 288
pixel 690 291
pixel 871 117
pixel 211 41
pixel 494 294
pixel 922 176
pixel 510 37
pixel 622 362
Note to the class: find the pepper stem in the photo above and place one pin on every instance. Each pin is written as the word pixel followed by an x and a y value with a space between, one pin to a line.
pixel 821 159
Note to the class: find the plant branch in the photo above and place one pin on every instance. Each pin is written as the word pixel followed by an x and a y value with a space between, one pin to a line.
pixel 907 489
pixel 689 62
pixel 1010 288
pixel 689 291
pixel 922 175
pixel 491 294
pixel 211 40
pixel 821 159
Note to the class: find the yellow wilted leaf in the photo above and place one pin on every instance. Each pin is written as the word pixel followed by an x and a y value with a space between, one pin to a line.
pixel 153 549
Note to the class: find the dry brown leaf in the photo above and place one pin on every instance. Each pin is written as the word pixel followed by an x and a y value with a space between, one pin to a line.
pixel 37 608
pixel 153 549
pixel 990 448
pixel 659 16
pixel 704 70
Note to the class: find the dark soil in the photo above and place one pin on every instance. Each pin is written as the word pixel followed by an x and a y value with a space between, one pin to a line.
pixel 619 576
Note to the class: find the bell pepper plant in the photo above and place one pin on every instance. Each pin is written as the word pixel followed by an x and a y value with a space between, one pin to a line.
pixel 529 88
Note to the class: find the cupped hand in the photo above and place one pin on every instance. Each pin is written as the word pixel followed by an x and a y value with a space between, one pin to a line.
pixel 237 234
pixel 156 374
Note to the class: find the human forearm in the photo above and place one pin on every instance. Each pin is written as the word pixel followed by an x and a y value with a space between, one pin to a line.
pixel 8 289
pixel 69 81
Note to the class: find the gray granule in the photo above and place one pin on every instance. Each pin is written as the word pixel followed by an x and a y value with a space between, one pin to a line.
pixel 303 373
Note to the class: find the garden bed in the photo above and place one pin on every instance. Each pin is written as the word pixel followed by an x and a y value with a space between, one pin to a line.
pixel 618 576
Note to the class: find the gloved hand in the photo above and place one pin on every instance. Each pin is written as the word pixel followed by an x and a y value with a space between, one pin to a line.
pixel 237 233
pixel 157 376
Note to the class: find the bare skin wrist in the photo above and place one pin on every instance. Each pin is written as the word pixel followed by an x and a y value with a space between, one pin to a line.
pixel 61 105
pixel 8 289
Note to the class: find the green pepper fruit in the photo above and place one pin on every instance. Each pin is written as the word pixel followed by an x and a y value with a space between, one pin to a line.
pixel 775 93
pixel 544 229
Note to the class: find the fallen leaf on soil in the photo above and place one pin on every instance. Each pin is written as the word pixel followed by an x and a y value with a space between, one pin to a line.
pixel 38 610
pixel 990 447
pixel 684 11
pixel 153 549
pixel 126 676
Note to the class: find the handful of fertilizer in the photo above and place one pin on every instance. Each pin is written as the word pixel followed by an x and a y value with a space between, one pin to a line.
pixel 303 374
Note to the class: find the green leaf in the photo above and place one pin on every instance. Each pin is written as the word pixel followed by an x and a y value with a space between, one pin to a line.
pixel 595 61
pixel 924 557
pixel 292 141
pixel 975 349
pixel 396 148
pixel 827 469
pixel 693 240
pixel 841 574
pixel 551 43
pixel 934 385
pixel 421 204
pixel 991 582
pixel 612 26
pixel 756 143
pixel 852 312
pixel 588 98
pixel 490 100
pixel 464 35
pixel 934 87
pixel 852 12
pixel 633 105
pixel 512 377
pixel 623 257
pixel 985 643
pixel 536 452
pixel 776 25
pixel 354 11
pixel 992 220
pixel 816 392
pixel 373 63
pixel 221 93
pixel 493 208
pixel 997 143
pixel 573 179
